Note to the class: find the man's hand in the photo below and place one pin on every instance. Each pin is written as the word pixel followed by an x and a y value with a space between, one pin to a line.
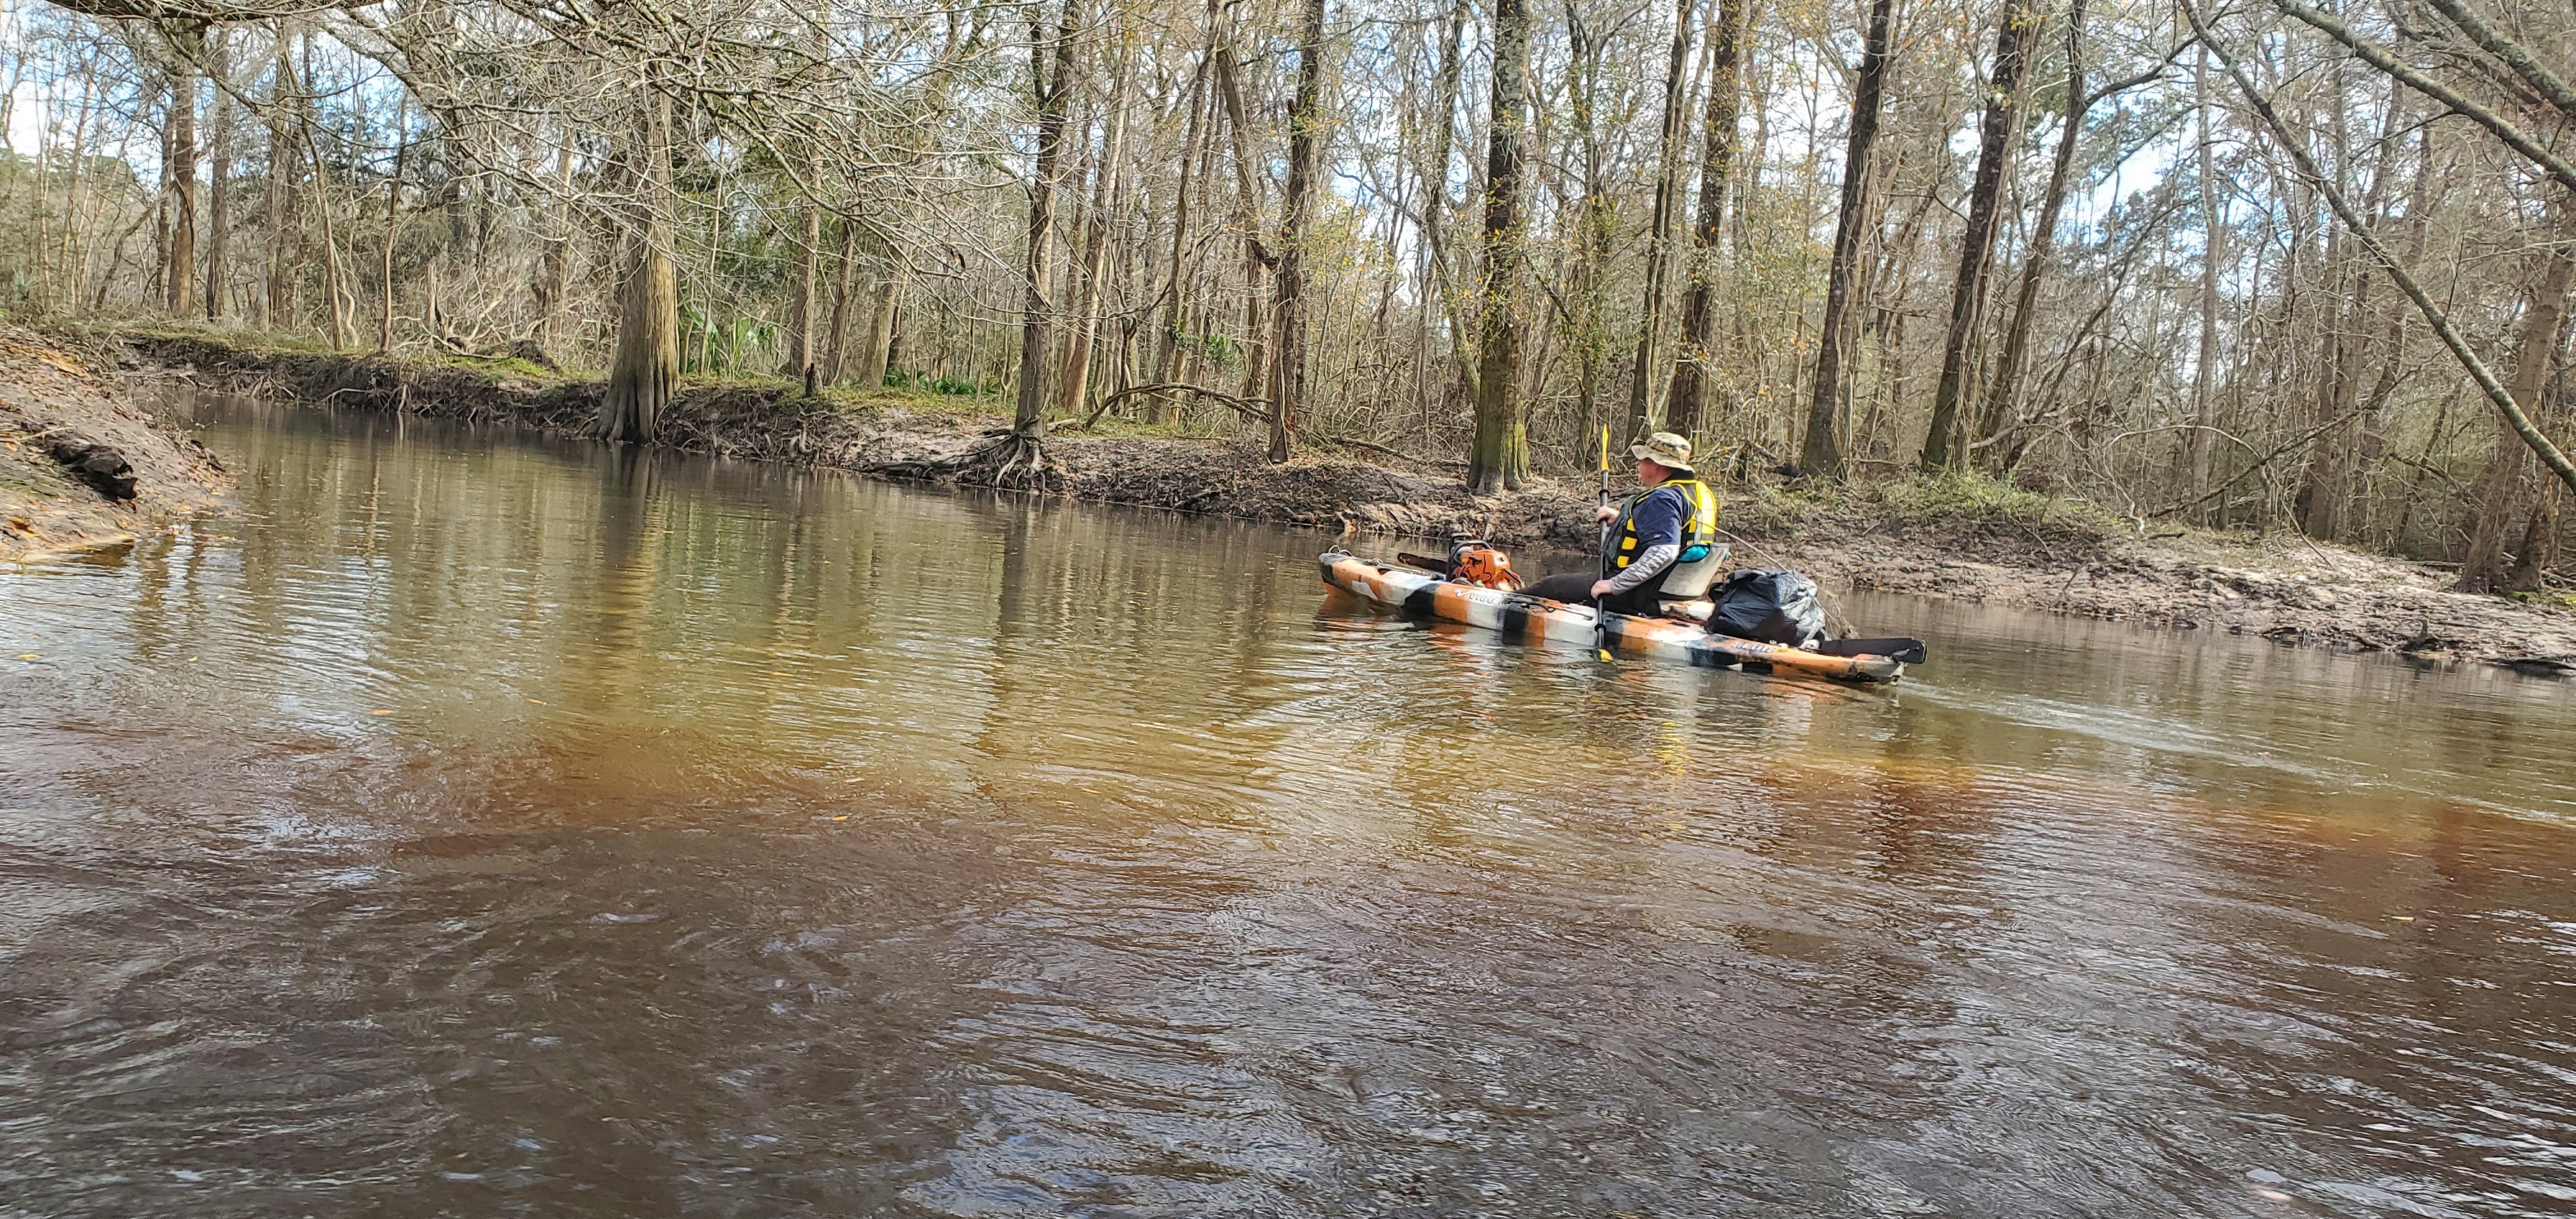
pixel 1601 588
pixel 1605 514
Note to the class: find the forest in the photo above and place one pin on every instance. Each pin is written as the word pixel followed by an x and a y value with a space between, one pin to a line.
pixel 2260 265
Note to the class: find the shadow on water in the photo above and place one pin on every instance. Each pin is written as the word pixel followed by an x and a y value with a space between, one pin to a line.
pixel 494 824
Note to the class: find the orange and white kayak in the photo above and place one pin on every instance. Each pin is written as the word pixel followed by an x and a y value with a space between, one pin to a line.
pixel 1523 618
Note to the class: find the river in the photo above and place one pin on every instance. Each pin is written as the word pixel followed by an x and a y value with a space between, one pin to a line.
pixel 484 824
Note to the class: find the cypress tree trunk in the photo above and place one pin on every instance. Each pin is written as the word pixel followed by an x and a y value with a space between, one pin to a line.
pixel 1822 453
pixel 1500 454
pixel 647 366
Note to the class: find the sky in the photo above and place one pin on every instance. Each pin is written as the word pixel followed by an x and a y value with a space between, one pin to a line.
pixel 26 119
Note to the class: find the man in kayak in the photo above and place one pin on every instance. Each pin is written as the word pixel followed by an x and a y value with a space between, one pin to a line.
pixel 1661 545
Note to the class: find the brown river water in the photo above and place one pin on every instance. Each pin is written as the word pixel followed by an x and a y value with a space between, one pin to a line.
pixel 485 825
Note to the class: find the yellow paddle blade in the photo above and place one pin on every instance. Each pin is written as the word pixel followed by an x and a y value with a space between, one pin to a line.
pixel 1605 448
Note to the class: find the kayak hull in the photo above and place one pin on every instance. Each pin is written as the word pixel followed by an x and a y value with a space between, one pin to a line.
pixel 1525 619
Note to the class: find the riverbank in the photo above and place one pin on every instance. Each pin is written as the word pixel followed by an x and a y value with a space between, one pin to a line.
pixel 1958 539
pixel 80 467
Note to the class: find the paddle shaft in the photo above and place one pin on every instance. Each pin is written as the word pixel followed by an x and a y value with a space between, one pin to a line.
pixel 1600 612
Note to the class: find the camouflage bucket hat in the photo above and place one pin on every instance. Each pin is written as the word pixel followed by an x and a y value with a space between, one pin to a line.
pixel 1667 450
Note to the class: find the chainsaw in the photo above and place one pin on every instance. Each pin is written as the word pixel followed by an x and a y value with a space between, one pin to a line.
pixel 1472 560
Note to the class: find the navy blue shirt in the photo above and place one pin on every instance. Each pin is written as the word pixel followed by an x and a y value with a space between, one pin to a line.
pixel 1659 519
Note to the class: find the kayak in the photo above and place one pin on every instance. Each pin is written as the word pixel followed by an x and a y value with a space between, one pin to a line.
pixel 1523 618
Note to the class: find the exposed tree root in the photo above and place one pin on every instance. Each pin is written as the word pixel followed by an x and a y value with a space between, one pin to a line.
pixel 1015 459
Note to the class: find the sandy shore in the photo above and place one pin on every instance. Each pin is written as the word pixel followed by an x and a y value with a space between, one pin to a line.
pixel 69 440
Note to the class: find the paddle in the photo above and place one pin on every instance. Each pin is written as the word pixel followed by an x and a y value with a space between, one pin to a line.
pixel 1600 612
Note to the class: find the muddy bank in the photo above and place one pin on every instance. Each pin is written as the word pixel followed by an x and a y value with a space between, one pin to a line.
pixel 80 467
pixel 1958 540
pixel 2282 588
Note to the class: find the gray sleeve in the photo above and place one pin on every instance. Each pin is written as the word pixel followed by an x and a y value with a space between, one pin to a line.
pixel 1650 563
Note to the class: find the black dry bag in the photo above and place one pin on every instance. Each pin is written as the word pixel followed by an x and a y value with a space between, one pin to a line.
pixel 1769 606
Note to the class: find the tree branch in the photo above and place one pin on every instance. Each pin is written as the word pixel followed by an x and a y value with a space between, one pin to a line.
pixel 2521 423
pixel 2378 57
pixel 2514 57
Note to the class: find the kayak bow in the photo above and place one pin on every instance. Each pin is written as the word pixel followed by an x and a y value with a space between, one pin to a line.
pixel 1522 618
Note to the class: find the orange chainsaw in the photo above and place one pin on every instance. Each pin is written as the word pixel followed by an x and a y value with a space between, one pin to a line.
pixel 1472 560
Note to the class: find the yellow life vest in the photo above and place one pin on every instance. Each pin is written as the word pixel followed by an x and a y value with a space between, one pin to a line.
pixel 1699 525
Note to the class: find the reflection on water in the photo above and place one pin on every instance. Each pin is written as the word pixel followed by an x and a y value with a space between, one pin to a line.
pixel 487 825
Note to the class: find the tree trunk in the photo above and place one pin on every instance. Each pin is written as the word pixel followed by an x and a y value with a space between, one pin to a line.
pixel 1596 227
pixel 2204 371
pixel 334 299
pixel 1175 293
pixel 219 209
pixel 1435 209
pixel 1248 214
pixel 801 362
pixel 179 276
pixel 277 303
pixel 836 353
pixel 1643 414
pixel 2324 491
pixel 1822 453
pixel 2000 405
pixel 2502 500
pixel 393 218
pixel 1076 382
pixel 1309 130
pixel 646 370
pixel 876 343
pixel 1500 455
pixel 1944 447
pixel 1717 170
pixel 1029 418
pixel 554 267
